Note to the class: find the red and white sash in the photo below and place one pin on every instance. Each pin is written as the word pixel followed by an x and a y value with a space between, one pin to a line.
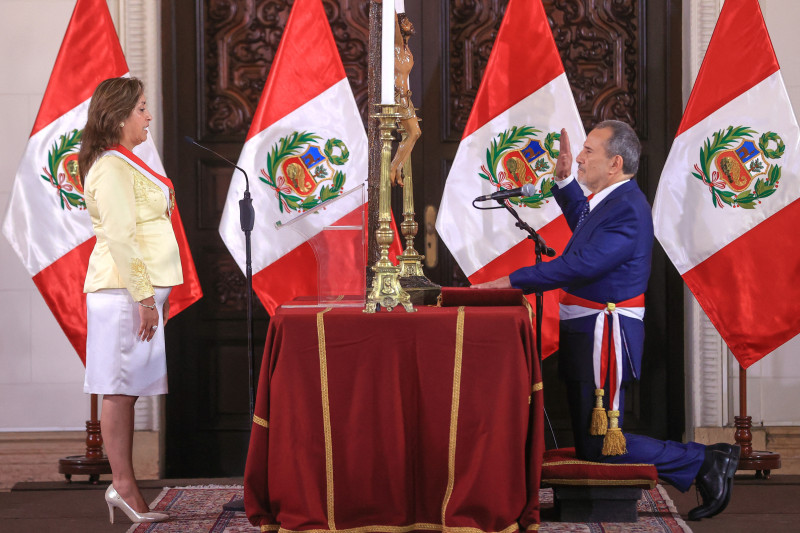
pixel 572 306
pixel 161 181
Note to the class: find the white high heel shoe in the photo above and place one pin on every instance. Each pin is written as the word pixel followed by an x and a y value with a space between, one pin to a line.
pixel 113 499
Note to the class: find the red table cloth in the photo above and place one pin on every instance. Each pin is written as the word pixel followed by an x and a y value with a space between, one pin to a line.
pixel 397 422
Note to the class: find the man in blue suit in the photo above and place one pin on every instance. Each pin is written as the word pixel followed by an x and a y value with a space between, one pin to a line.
pixel 604 271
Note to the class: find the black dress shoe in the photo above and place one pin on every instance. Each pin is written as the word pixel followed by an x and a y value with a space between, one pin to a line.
pixel 716 480
pixel 734 450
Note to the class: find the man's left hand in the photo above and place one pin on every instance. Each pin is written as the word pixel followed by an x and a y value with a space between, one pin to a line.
pixel 499 283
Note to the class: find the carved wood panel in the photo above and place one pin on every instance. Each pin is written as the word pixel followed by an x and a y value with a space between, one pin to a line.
pixel 599 44
pixel 600 47
pixel 239 41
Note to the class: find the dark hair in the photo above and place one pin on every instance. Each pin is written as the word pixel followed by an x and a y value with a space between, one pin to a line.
pixel 623 142
pixel 406 27
pixel 112 102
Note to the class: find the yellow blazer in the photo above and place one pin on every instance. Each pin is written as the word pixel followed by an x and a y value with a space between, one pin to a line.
pixel 136 247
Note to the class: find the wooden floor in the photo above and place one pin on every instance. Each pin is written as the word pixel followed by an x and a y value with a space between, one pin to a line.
pixel 761 506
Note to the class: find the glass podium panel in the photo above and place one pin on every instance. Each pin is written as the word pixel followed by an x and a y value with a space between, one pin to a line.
pixel 340 249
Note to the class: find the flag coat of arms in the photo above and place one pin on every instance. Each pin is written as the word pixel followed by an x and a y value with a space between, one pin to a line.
pixel 46 222
pixel 727 204
pixel 511 139
pixel 307 149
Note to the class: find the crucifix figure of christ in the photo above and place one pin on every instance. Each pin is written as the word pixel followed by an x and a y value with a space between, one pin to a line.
pixel 408 121
pixel 411 276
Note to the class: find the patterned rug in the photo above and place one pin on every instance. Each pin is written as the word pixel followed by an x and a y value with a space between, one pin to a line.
pixel 199 510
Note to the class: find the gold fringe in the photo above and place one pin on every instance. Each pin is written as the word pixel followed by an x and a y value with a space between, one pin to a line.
pixel 599 423
pixel 614 442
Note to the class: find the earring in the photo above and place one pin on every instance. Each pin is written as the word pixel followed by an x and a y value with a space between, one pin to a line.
pixel 121 124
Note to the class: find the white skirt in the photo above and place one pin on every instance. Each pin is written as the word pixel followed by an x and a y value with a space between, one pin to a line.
pixel 116 361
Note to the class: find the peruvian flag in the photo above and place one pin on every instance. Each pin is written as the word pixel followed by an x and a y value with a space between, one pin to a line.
pixel 511 139
pixel 727 210
pixel 46 223
pixel 306 155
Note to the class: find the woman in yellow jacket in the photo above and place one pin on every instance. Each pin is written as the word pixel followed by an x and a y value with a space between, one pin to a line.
pixel 133 266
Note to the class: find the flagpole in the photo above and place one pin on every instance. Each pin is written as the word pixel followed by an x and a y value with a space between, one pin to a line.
pixel 762 462
pixel 93 463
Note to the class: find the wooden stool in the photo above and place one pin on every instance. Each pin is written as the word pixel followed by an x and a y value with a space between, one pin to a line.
pixel 595 492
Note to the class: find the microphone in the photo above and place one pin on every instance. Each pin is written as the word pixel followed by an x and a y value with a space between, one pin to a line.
pixel 247 215
pixel 526 190
pixel 231 163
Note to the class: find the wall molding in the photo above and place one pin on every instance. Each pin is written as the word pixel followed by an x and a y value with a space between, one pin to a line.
pixel 139 29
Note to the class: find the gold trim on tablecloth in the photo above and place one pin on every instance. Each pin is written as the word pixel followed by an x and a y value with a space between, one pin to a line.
pixel 451 456
pixel 536 388
pixel 579 462
pixel 531 314
pixel 326 415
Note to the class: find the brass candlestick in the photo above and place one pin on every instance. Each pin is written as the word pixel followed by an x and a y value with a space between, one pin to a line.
pixel 386 290
pixel 411 260
pixel 412 279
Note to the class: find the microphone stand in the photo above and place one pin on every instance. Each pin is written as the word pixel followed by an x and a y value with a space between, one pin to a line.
pixel 247 219
pixel 540 248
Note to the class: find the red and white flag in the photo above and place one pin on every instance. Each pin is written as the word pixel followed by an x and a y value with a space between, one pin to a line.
pixel 511 139
pixel 306 151
pixel 727 209
pixel 46 222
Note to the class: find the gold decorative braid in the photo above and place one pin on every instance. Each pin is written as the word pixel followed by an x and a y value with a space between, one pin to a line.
pixel 531 314
pixel 326 415
pixel 140 279
pixel 451 455
pixel 536 387
pixel 579 462
pixel 600 482
pixel 400 529
pixel 532 527
pixel 260 421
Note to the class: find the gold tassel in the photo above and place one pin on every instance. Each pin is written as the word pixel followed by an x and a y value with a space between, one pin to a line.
pixel 614 441
pixel 599 424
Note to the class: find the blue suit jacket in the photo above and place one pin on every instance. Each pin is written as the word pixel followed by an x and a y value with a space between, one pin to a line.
pixel 606 260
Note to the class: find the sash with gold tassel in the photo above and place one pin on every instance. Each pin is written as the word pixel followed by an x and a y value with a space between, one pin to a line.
pixel 606 361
